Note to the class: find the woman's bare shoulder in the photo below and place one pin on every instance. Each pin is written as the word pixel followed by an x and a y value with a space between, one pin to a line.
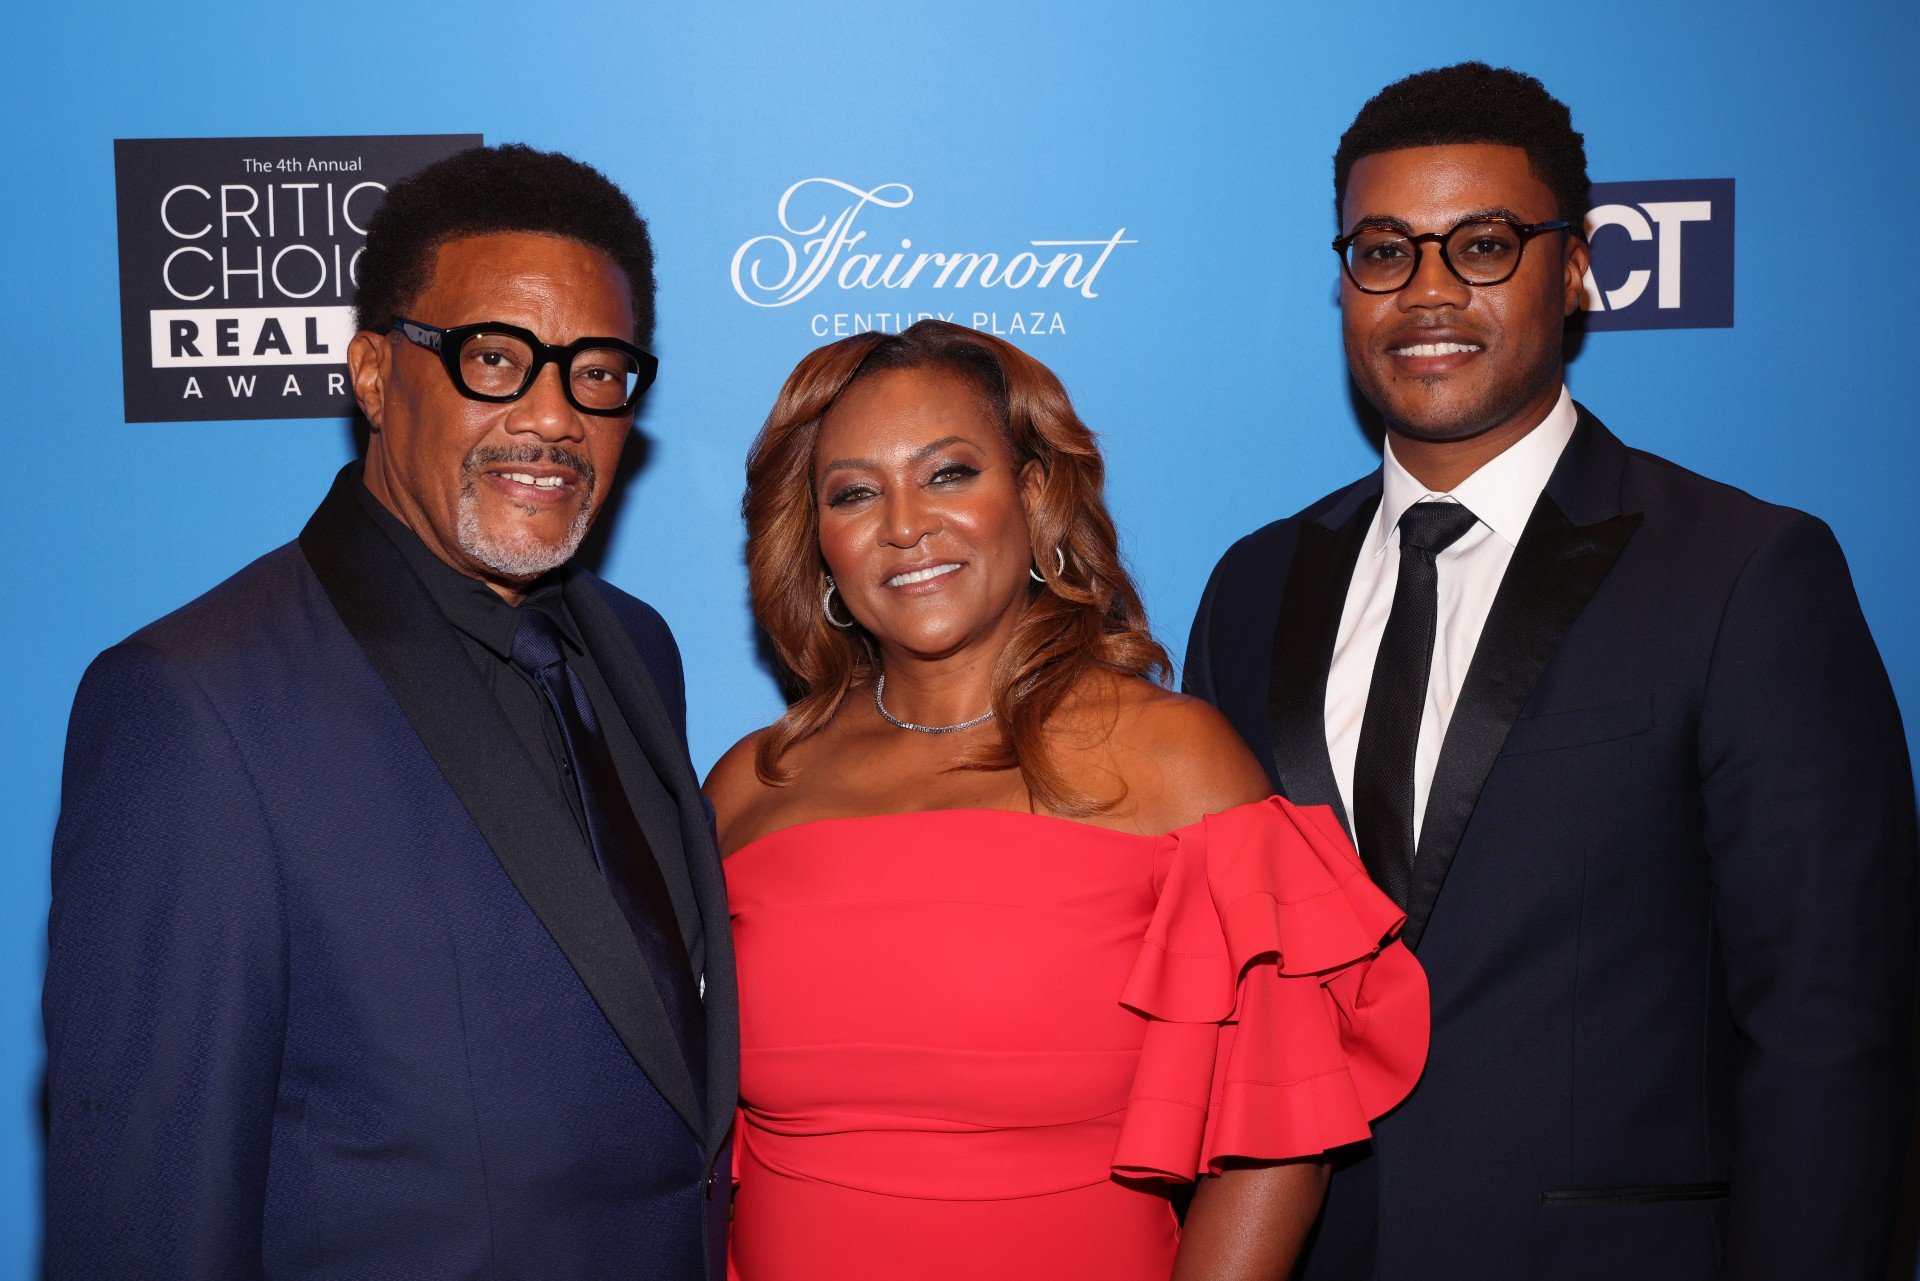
pixel 734 786
pixel 1181 759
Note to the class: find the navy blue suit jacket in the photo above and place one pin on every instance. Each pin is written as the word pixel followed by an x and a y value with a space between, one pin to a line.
pixel 334 989
pixel 1664 891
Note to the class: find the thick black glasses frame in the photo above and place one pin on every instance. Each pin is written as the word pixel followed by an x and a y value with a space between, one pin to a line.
pixel 1525 230
pixel 448 342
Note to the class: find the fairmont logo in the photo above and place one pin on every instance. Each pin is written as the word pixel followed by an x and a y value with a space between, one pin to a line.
pixel 835 236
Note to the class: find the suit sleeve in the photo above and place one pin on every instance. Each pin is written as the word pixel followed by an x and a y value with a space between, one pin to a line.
pixel 1196 673
pixel 1809 813
pixel 661 653
pixel 166 987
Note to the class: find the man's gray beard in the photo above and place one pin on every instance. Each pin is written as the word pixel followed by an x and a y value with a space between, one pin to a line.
pixel 522 556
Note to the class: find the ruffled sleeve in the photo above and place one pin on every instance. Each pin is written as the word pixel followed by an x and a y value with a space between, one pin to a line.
pixel 1282 1012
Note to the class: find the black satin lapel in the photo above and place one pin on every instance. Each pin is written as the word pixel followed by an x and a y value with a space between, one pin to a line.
pixel 419 658
pixel 1303 640
pixel 1554 572
pixel 634 692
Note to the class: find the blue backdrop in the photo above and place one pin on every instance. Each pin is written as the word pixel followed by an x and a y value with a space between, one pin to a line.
pixel 1207 355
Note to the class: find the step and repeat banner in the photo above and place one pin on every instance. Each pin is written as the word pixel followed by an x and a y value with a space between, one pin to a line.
pixel 1138 195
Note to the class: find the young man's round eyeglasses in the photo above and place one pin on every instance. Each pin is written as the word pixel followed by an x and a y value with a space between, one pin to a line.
pixel 1479 251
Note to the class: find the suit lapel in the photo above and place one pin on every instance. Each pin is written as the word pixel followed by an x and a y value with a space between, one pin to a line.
pixel 1303 640
pixel 1555 570
pixel 640 707
pixel 638 700
pixel 420 659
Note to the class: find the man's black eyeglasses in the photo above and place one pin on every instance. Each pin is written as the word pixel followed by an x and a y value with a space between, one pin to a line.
pixel 498 363
pixel 1480 251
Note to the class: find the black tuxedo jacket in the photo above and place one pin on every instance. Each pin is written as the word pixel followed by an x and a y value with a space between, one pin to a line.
pixel 334 988
pixel 1664 891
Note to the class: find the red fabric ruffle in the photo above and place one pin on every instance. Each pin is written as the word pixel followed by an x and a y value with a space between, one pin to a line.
pixel 1283 1013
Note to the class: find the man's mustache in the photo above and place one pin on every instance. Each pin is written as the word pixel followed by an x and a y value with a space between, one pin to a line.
pixel 558 455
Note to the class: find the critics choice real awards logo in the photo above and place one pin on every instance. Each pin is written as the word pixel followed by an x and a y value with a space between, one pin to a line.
pixel 237 268
pixel 848 254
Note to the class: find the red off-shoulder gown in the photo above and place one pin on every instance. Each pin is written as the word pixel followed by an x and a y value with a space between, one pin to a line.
pixel 974 1043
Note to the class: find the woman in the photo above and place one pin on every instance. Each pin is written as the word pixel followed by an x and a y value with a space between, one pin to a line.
pixel 1022 937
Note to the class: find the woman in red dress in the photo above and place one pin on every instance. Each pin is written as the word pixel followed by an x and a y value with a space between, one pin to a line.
pixel 1023 937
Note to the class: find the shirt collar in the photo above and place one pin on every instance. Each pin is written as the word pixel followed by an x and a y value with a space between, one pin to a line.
pixel 1501 494
pixel 468 603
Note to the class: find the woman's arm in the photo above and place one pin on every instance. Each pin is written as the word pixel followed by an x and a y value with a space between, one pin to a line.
pixel 1247 1223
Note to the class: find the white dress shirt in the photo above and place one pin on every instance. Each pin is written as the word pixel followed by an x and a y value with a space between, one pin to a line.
pixel 1501 495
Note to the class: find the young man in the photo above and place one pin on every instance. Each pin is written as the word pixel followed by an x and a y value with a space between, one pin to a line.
pixel 1615 736
pixel 388 934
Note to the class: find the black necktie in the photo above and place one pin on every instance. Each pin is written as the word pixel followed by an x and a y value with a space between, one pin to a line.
pixel 619 846
pixel 1390 730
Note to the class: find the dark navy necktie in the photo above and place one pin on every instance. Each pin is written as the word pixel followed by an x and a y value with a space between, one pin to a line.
pixel 1396 698
pixel 620 848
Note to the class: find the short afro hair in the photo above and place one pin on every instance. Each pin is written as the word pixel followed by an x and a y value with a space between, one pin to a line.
pixel 486 190
pixel 1467 103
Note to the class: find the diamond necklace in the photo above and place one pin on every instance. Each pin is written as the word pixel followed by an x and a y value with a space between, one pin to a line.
pixel 880 687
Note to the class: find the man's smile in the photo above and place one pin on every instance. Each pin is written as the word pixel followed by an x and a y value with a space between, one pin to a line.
pixel 532 477
pixel 533 486
pixel 1427 352
pixel 1434 349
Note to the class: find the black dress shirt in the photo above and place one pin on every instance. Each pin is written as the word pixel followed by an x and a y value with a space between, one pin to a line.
pixel 486 624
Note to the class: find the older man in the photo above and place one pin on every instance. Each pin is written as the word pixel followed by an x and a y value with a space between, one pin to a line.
pixel 388 936
pixel 1617 739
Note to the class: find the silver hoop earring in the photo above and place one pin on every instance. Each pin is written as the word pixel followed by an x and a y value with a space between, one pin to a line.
pixel 826 606
pixel 1059 558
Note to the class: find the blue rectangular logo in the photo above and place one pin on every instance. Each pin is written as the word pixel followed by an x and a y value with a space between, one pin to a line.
pixel 1662 255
